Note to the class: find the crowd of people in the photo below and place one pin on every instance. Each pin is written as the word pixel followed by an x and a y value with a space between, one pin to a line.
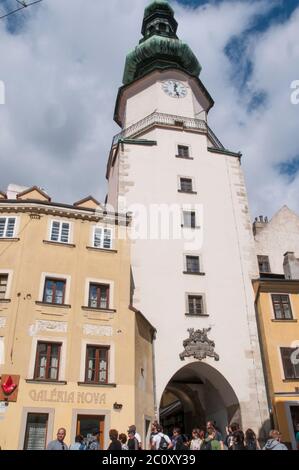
pixel 209 438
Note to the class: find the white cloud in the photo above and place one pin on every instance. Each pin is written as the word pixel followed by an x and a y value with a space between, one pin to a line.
pixel 62 72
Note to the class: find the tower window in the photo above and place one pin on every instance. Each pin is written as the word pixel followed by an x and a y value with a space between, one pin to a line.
pixel 264 264
pixel 195 305
pixel 192 264
pixel 189 219
pixel 183 151
pixel 186 185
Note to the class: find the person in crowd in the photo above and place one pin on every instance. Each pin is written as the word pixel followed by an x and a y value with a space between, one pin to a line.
pixel 238 440
pixel 115 444
pixel 218 435
pixel 159 440
pixel 178 440
pixel 79 443
pixel 197 439
pixel 59 443
pixel 132 443
pixel 297 435
pixel 251 442
pixel 94 443
pixel 154 432
pixel 123 440
pixel 274 441
pixel 229 435
pixel 211 442
pixel 132 428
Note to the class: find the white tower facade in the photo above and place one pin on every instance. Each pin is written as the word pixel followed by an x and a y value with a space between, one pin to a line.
pixel 198 276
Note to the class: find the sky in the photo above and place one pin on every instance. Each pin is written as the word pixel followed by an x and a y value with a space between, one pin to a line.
pixel 62 62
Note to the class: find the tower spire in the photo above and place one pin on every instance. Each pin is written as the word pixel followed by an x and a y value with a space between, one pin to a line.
pixel 160 47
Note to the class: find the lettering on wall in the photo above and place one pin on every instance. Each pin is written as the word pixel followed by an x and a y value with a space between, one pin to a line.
pixel 58 396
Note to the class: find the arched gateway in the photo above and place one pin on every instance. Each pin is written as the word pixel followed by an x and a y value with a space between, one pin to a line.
pixel 197 393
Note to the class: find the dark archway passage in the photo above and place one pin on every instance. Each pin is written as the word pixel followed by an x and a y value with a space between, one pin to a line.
pixel 195 394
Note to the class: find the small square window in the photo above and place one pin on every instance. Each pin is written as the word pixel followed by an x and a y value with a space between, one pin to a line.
pixel 192 264
pixel 264 264
pixel 186 185
pixel 54 291
pixel 183 151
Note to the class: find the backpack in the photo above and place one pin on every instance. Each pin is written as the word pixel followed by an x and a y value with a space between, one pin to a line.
pixel 163 443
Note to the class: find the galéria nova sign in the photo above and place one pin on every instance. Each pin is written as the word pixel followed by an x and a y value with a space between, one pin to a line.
pixel 58 396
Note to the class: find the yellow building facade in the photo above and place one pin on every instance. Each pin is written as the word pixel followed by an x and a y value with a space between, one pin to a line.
pixel 277 308
pixel 73 352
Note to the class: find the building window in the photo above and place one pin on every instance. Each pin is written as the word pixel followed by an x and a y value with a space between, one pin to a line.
pixel 47 361
pixel 60 232
pixel 98 296
pixel 96 370
pixel 186 185
pixel 183 151
pixel 102 238
pixel 289 358
pixel 264 264
pixel 3 285
pixel 54 291
pixel 195 305
pixel 282 307
pixel 189 219
pixel 36 431
pixel 7 227
pixel 192 264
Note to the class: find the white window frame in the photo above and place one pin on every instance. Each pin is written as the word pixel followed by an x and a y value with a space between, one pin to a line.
pixel 103 228
pixel 9 273
pixel 48 339
pixel 111 357
pixel 6 217
pixel 63 277
pixel 60 222
pixel 99 281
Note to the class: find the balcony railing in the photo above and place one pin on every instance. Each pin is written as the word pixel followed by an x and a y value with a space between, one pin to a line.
pixel 168 120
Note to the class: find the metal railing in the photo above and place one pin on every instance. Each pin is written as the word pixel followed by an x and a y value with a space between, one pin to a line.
pixel 167 120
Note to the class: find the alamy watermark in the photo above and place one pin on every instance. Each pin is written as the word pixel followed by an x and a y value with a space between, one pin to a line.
pixel 295 354
pixel 2 92
pixel 295 93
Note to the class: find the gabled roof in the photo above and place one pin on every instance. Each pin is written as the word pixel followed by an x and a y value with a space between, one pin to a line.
pixel 34 193
pixel 89 202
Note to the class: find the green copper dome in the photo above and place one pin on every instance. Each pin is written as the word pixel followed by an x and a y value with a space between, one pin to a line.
pixel 160 47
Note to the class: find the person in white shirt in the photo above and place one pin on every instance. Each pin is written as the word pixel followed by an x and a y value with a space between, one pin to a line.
pixel 160 441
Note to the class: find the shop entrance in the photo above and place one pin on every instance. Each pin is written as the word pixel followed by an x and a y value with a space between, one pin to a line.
pixel 87 424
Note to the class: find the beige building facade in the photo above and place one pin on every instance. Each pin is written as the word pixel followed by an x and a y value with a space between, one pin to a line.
pixel 73 353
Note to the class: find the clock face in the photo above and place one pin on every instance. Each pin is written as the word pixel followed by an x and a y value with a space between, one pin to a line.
pixel 174 88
